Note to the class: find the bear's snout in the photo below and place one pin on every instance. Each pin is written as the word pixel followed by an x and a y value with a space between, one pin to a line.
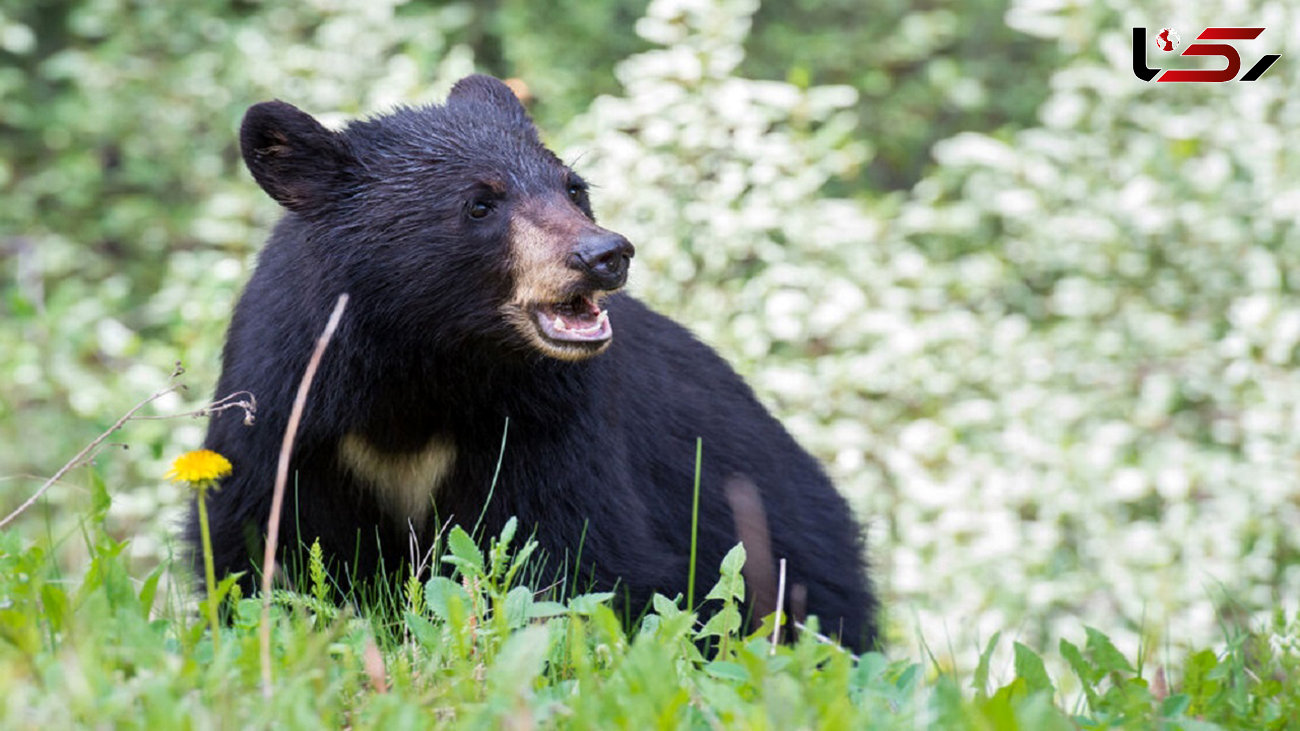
pixel 604 257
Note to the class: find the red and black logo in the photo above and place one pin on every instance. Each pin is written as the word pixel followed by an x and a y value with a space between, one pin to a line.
pixel 1167 40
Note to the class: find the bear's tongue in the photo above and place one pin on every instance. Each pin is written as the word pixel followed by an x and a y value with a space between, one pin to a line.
pixel 579 319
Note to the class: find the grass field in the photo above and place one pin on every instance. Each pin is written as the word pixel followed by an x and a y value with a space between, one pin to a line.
pixel 103 648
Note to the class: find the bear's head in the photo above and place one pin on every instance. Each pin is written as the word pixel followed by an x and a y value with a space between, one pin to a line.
pixel 451 223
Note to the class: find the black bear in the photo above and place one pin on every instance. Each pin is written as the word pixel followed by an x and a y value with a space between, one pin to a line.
pixel 486 367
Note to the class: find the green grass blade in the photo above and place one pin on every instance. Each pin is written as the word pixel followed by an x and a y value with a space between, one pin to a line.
pixel 695 526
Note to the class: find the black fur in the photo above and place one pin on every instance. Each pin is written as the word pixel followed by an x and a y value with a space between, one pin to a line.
pixel 599 451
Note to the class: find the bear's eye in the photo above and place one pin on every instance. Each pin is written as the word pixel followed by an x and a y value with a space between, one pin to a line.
pixel 479 209
pixel 575 193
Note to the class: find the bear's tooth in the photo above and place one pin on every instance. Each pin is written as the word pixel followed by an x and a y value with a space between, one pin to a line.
pixel 559 323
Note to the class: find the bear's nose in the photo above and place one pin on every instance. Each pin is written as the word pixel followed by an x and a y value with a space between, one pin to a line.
pixel 604 256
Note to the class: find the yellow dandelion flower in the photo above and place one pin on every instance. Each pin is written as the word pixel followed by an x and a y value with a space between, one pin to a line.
pixel 203 465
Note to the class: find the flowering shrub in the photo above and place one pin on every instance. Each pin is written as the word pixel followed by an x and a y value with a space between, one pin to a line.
pixel 1059 379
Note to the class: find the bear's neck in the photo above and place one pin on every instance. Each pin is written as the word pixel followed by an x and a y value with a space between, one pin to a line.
pixel 409 400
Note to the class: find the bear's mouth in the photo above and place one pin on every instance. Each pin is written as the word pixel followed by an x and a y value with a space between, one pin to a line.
pixel 579 320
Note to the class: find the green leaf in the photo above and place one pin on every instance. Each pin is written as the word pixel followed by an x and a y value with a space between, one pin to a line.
pixel 439 592
pixel 1175 705
pixel 223 586
pixel 542 610
pixel 424 631
pixel 100 500
pixel 19 629
pixel 1086 671
pixel 722 624
pixel 1103 653
pixel 1198 676
pixel 871 669
pixel 731 585
pixel 908 677
pixel 55 603
pixel 248 612
pixel 508 532
pixel 1030 667
pixel 734 561
pixel 727 671
pixel 649 625
pixel 520 660
pixel 106 572
pixel 464 552
pixel 149 590
pixel 981 680
pixel 586 604
pixel 518 603
pixel 1192 724
pixel 665 607
pixel 519 560
pixel 999 707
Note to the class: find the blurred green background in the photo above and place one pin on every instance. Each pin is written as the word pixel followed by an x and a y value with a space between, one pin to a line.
pixel 1038 318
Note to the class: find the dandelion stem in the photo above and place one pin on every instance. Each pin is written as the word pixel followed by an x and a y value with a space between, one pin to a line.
pixel 209 571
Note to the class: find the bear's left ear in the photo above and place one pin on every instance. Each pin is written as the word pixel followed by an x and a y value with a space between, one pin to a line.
pixel 296 160
pixel 492 92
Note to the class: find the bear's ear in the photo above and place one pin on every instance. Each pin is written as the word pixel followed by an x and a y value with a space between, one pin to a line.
pixel 492 92
pixel 293 157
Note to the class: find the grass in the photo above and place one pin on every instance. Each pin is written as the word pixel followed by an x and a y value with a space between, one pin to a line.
pixel 476 649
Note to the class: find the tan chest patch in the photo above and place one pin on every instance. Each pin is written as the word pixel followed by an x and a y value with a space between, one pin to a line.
pixel 404 483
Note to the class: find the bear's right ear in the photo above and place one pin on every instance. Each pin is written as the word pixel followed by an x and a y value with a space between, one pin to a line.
pixel 493 92
pixel 293 157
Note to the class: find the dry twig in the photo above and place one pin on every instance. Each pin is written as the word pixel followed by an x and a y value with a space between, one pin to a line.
pixel 282 478
pixel 87 455
pixel 780 600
